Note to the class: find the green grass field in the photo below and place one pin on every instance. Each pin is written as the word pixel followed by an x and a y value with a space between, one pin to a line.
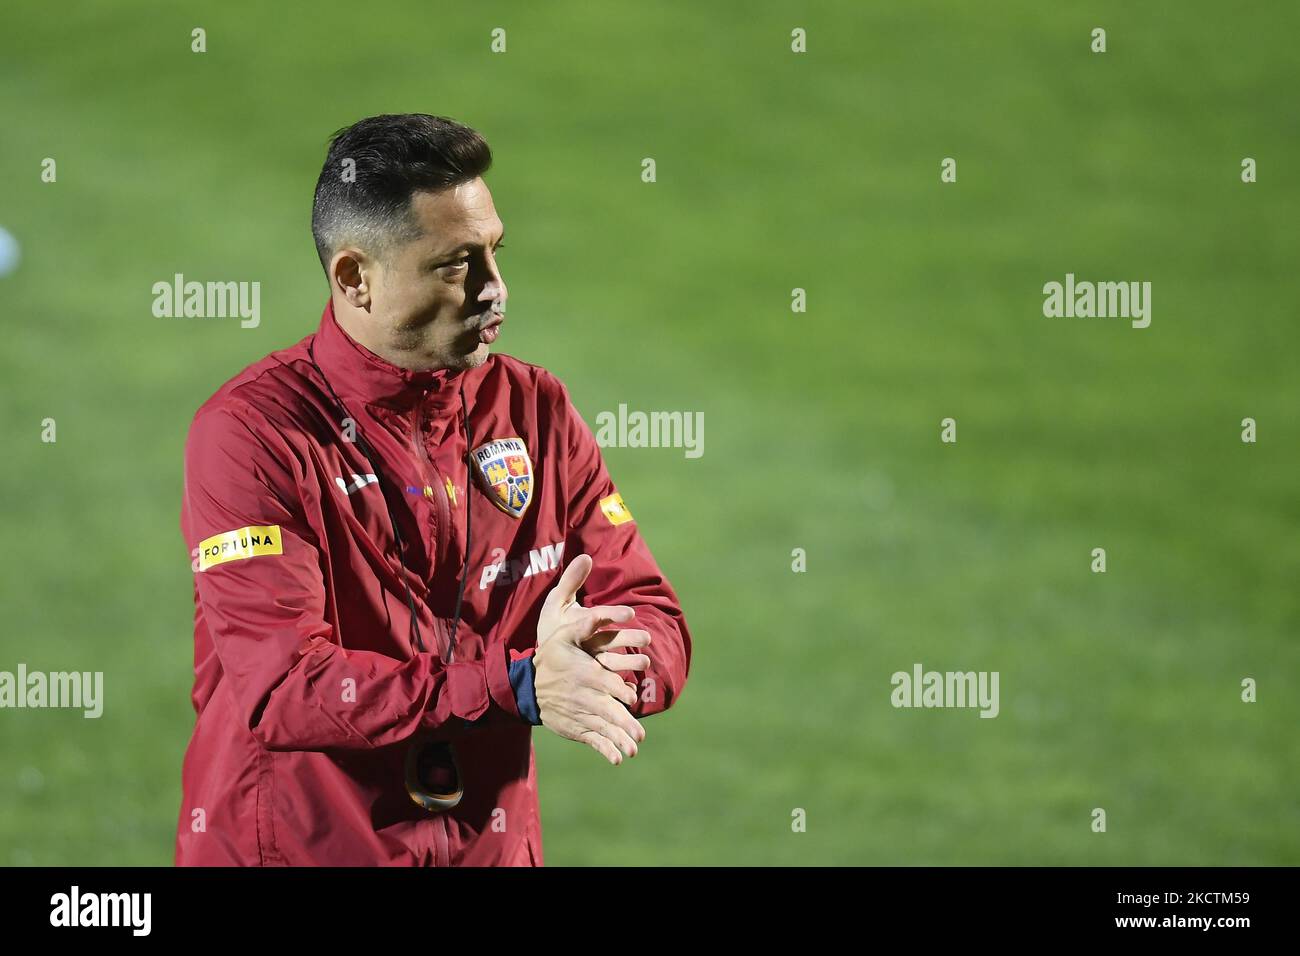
pixel 775 170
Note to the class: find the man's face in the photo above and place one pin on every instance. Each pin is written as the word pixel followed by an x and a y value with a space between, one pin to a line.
pixel 433 296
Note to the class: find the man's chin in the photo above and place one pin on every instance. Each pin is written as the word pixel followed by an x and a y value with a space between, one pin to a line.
pixel 475 357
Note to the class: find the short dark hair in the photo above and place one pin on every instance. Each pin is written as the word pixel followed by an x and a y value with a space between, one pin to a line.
pixel 367 201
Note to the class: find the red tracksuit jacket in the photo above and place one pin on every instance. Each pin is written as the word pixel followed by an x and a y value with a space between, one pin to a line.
pixel 310 688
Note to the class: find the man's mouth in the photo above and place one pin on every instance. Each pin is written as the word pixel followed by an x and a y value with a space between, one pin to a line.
pixel 489 330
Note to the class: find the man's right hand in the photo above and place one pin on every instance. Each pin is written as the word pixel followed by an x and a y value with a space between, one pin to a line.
pixel 577 697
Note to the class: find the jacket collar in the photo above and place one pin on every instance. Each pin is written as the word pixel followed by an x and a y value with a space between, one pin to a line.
pixel 357 373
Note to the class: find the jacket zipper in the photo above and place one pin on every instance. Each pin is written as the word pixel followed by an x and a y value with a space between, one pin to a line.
pixel 441 836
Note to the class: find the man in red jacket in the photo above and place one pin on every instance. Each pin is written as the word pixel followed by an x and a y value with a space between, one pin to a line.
pixel 379 519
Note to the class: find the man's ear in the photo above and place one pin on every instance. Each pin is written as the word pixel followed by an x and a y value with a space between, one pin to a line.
pixel 351 276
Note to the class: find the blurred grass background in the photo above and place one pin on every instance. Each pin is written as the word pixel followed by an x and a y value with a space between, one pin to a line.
pixel 775 171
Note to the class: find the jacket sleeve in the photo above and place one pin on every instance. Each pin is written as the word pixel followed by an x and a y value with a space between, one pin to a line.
pixel 260 591
pixel 623 569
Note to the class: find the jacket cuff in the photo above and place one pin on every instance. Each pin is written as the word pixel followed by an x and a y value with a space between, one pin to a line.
pixel 498 679
pixel 522 675
pixel 476 690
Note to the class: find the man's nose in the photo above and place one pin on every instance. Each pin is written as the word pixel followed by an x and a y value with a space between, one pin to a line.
pixel 494 289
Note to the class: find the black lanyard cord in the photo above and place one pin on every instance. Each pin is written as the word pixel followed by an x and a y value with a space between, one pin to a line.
pixel 469 511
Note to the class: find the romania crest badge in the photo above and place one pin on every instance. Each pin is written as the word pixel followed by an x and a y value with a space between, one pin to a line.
pixel 505 471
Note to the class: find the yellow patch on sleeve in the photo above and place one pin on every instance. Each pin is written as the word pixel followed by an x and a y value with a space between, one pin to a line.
pixel 614 509
pixel 236 545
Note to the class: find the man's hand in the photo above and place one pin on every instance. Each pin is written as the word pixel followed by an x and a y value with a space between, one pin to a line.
pixel 579 695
